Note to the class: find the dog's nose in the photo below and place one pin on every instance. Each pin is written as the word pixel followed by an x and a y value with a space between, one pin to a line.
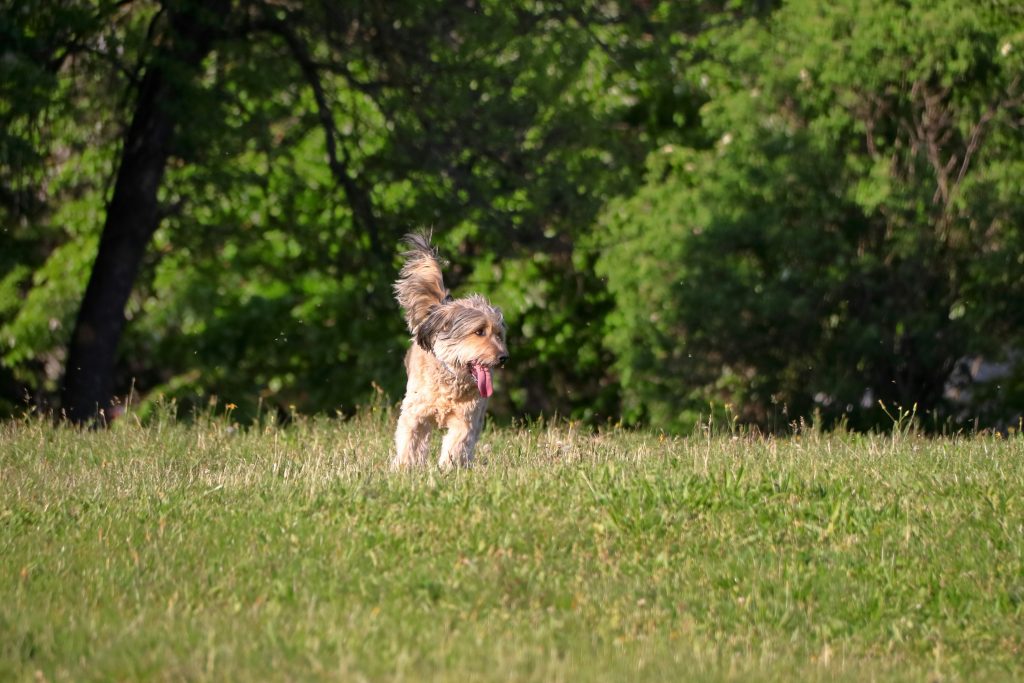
pixel 503 359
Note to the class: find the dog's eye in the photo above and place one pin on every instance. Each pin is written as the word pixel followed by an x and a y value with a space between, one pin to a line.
pixel 481 332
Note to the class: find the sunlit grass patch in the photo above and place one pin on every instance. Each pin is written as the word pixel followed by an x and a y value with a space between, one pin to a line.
pixel 209 551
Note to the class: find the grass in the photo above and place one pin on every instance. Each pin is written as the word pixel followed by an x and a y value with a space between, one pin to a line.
pixel 177 551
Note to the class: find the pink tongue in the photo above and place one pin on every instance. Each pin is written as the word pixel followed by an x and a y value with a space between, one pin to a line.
pixel 483 380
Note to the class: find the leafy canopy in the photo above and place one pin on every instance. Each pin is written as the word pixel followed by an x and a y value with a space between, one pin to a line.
pixel 853 234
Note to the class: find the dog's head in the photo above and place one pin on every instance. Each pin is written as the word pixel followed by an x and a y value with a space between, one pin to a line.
pixel 467 335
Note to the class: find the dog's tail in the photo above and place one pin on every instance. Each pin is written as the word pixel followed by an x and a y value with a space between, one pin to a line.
pixel 420 286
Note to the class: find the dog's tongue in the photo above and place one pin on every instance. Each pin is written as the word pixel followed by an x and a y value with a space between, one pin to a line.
pixel 482 375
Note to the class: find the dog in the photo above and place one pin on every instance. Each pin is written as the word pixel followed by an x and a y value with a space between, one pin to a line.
pixel 456 344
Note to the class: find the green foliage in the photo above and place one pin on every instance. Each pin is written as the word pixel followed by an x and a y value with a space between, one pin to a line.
pixel 828 215
pixel 848 238
pixel 58 89
pixel 269 278
pixel 213 552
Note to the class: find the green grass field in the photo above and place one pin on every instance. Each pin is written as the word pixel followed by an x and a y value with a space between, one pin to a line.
pixel 200 551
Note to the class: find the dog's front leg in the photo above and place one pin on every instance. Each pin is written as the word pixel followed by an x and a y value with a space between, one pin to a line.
pixel 457 447
pixel 412 441
pixel 460 441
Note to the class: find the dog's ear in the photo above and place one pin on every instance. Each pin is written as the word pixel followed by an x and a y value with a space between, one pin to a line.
pixel 438 320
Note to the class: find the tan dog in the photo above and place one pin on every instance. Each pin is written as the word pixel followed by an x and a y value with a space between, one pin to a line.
pixel 456 343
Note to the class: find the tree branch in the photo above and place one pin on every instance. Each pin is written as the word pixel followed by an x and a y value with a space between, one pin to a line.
pixel 358 196
pixel 978 130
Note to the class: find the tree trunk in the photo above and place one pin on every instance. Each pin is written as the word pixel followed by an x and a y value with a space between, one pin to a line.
pixel 133 211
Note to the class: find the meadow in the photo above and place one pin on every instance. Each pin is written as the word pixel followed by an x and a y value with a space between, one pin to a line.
pixel 202 551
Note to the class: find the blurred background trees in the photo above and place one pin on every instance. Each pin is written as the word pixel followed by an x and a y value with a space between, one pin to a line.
pixel 790 210
pixel 853 235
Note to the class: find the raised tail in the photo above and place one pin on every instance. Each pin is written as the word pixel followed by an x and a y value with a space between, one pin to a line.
pixel 420 286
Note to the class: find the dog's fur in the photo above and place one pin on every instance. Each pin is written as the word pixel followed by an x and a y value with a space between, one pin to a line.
pixel 456 344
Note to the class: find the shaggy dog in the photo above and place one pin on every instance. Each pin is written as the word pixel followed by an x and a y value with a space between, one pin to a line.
pixel 456 343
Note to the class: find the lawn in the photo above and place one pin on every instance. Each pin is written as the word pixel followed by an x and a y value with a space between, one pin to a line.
pixel 202 551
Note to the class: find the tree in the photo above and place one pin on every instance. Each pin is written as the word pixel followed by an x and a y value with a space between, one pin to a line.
pixel 252 268
pixel 849 239
pixel 132 215
pixel 45 124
